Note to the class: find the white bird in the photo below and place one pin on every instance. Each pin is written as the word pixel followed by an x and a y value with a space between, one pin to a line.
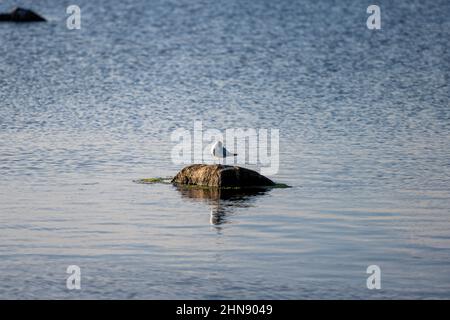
pixel 218 151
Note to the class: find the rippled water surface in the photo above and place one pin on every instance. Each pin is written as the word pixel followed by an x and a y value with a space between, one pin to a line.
pixel 364 124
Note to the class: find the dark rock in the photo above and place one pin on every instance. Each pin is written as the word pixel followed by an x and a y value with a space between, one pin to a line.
pixel 221 176
pixel 21 15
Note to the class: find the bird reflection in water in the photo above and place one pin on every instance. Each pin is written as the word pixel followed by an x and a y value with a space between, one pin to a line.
pixel 223 202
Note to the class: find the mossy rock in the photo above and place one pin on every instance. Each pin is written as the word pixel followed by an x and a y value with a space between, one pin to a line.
pixel 221 176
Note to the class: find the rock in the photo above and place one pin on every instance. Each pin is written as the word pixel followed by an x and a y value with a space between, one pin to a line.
pixel 21 15
pixel 221 176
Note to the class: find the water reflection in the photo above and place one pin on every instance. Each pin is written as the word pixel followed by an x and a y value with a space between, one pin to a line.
pixel 223 202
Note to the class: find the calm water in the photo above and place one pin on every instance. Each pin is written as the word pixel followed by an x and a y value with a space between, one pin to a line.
pixel 364 121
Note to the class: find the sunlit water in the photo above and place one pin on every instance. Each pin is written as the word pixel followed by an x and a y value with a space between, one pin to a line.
pixel 364 124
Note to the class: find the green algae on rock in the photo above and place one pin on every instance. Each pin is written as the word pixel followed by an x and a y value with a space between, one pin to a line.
pixel 154 180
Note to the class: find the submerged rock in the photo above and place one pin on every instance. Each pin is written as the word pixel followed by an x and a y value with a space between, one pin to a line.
pixel 21 15
pixel 221 176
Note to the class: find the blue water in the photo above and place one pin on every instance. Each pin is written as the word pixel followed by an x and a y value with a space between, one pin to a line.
pixel 364 120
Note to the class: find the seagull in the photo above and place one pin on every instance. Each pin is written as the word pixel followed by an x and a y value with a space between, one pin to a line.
pixel 218 151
